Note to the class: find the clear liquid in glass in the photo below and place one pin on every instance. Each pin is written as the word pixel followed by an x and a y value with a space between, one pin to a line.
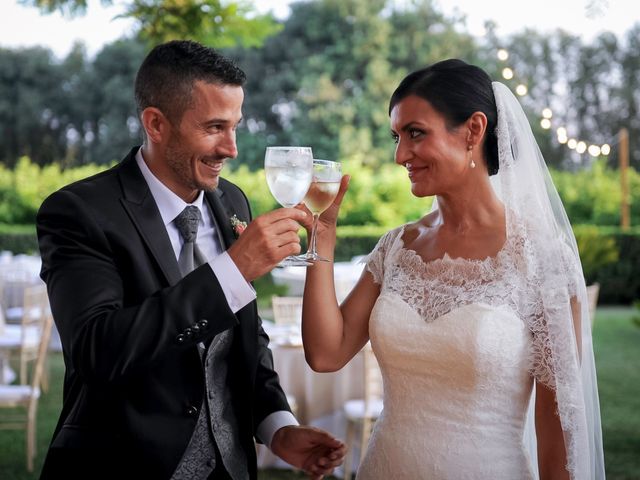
pixel 288 185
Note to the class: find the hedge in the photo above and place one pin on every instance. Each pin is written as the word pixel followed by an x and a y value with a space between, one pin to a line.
pixel 18 239
pixel 380 196
pixel 609 256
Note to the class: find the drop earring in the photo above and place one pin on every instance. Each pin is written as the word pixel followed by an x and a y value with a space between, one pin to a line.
pixel 470 150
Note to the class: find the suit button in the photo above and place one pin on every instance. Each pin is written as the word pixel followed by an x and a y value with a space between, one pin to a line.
pixel 196 329
pixel 180 338
pixel 188 332
pixel 203 323
pixel 192 411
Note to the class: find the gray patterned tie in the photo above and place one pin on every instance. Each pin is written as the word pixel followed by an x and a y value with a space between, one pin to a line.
pixel 187 223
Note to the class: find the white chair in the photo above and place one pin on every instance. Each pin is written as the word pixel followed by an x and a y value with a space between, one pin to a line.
pixel 365 411
pixel 593 291
pixel 25 397
pixel 286 310
pixel 13 280
pixel 24 338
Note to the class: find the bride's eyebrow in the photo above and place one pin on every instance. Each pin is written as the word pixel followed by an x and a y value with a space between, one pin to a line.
pixel 410 125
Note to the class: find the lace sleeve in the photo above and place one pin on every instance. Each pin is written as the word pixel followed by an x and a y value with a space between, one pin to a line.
pixel 573 267
pixel 374 262
pixel 554 280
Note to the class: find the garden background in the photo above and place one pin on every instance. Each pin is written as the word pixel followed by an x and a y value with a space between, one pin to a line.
pixel 322 77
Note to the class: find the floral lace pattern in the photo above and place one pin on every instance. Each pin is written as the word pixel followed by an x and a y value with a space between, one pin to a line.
pixel 439 286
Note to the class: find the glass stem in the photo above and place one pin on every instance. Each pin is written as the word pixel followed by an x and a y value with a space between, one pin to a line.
pixel 314 229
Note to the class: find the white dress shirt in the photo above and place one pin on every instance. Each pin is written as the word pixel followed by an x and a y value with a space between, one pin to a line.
pixel 236 289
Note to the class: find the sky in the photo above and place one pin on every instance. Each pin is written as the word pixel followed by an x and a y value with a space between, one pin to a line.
pixel 22 26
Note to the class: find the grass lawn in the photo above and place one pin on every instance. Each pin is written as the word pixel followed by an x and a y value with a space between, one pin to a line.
pixel 617 348
pixel 617 351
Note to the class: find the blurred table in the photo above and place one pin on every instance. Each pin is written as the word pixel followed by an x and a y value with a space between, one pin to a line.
pixel 345 275
pixel 17 271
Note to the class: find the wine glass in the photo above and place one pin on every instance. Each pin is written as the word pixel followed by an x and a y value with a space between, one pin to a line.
pixel 323 190
pixel 289 171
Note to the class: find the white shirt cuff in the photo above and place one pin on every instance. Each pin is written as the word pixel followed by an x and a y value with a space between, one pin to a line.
pixel 238 292
pixel 274 422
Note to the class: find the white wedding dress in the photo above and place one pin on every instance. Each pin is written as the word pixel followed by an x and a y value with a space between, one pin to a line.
pixel 456 359
pixel 461 342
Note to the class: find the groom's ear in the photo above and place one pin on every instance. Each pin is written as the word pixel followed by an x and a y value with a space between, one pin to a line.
pixel 155 124
pixel 477 126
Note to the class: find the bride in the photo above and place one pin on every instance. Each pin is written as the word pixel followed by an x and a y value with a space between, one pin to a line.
pixel 476 312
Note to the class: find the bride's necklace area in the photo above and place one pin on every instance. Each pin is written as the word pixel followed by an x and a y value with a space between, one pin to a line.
pixel 460 245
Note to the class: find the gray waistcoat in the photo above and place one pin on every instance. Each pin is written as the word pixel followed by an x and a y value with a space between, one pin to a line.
pixel 216 422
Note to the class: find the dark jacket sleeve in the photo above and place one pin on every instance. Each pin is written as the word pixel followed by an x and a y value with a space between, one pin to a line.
pixel 107 338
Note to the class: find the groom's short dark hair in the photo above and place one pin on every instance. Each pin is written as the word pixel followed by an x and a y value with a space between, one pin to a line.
pixel 166 77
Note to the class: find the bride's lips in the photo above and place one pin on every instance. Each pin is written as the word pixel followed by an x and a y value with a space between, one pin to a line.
pixel 413 171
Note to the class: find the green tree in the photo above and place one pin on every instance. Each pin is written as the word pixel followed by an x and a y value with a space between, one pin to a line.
pixel 325 79
pixel 629 93
pixel 216 23
pixel 322 79
pixel 592 88
pixel 29 95
pixel 113 126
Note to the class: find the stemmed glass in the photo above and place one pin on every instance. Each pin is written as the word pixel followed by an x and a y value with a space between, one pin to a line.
pixel 323 190
pixel 289 171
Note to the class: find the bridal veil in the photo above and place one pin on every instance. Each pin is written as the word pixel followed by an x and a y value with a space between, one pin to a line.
pixel 558 313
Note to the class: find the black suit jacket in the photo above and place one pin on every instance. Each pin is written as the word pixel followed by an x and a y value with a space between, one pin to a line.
pixel 129 325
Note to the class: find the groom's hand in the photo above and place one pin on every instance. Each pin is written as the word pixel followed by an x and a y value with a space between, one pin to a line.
pixel 313 450
pixel 266 241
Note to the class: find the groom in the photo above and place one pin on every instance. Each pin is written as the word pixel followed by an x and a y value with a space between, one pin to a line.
pixel 168 372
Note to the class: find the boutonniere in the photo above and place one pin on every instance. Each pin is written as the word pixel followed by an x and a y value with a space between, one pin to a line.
pixel 237 225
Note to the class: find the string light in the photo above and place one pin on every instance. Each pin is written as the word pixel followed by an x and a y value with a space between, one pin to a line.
pixel 594 150
pixel 579 146
pixel 521 90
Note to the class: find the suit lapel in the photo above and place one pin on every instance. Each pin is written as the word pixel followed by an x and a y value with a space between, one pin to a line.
pixel 223 210
pixel 143 211
pixel 222 217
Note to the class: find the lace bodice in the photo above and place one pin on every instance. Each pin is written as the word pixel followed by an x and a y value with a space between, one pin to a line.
pixel 510 279
pixel 437 287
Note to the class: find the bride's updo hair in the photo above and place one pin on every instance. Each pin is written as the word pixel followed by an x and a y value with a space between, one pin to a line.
pixel 457 90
